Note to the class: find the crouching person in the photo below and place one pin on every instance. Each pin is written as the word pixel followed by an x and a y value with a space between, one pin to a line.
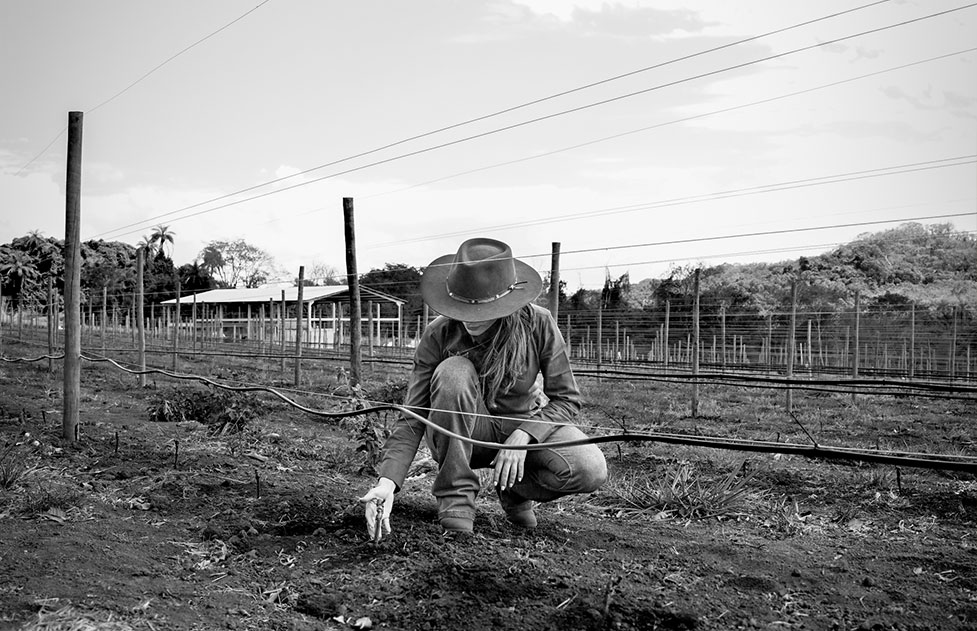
pixel 475 374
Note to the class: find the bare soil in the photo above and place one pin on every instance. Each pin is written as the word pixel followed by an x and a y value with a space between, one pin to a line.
pixel 156 525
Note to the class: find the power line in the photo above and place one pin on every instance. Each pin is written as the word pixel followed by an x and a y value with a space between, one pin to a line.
pixel 527 104
pixel 145 76
pixel 678 201
pixel 665 124
pixel 500 129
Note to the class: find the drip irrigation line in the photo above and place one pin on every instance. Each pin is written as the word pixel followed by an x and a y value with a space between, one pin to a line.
pixel 806 388
pixel 786 381
pixel 943 462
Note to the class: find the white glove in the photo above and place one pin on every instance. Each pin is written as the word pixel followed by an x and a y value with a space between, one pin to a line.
pixel 382 493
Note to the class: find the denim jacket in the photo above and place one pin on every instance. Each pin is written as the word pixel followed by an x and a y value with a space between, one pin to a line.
pixel 445 338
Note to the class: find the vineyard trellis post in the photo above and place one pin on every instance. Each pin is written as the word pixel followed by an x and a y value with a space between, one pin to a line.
pixel 722 335
pixel 140 315
pixel 912 341
pixel 281 316
pixel 176 326
pixel 855 356
pixel 369 321
pixel 791 343
pixel 695 345
pixel 353 283
pixel 105 299
pixel 50 322
pixel 72 281
pixel 555 281
pixel 299 315
pixel 668 309
pixel 953 344
pixel 600 333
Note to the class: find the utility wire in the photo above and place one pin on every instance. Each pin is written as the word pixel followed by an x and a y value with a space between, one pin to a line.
pixel 145 76
pixel 525 105
pixel 834 178
pixel 665 124
pixel 504 128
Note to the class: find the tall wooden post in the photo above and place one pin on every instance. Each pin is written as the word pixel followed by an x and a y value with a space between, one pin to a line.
pixel 791 343
pixel 72 281
pixel 299 314
pixel 668 313
pixel 140 316
pixel 105 309
pixel 695 345
pixel 50 322
pixel 282 320
pixel 555 281
pixel 856 346
pixel 176 326
pixel 722 325
pixel 353 282
pixel 369 320
pixel 953 346
pixel 912 342
pixel 855 357
pixel 600 334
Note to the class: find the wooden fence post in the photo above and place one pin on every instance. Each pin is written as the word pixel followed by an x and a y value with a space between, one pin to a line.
pixel 555 281
pixel 912 342
pixel 353 282
pixel 722 325
pixel 855 358
pixel 140 322
pixel 72 277
pixel 50 322
pixel 791 343
pixel 105 300
pixel 176 326
pixel 695 346
pixel 668 309
pixel 299 314
pixel 282 321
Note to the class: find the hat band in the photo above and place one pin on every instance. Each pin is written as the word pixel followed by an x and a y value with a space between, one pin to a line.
pixel 481 301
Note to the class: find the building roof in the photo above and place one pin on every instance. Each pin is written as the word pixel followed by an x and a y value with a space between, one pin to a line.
pixel 262 295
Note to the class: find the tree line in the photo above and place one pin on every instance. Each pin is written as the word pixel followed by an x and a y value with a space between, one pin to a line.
pixel 933 268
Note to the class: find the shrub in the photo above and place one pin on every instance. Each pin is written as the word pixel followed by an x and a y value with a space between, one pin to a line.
pixel 223 412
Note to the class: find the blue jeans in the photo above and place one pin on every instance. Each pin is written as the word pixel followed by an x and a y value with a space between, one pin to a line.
pixel 458 406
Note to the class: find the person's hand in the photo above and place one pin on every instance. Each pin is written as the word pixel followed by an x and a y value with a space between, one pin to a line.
pixel 383 493
pixel 510 463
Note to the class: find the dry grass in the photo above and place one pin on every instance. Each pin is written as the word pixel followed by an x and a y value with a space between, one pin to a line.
pixel 69 618
pixel 680 491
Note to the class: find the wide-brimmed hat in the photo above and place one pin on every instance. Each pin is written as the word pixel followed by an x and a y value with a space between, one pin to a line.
pixel 482 281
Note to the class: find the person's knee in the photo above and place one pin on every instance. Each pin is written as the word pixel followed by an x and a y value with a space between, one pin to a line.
pixel 453 375
pixel 592 472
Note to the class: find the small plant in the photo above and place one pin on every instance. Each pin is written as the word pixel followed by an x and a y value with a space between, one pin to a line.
pixel 14 460
pixel 369 441
pixel 678 492
pixel 221 411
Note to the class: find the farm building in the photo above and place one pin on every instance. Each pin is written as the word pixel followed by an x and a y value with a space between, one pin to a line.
pixel 268 314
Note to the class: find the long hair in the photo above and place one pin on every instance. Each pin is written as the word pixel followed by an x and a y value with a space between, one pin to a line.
pixel 505 359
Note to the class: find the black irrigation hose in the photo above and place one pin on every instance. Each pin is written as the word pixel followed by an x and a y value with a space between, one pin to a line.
pixel 807 386
pixel 946 463
pixel 728 378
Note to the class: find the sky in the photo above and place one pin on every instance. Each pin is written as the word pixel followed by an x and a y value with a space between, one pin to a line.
pixel 639 136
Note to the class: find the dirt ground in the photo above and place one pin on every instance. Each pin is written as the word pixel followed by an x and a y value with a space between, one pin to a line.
pixel 158 525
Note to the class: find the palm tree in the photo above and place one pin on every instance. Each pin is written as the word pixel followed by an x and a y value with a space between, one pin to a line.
pixel 148 246
pixel 162 235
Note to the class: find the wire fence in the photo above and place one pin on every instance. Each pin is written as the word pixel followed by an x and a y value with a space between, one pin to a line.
pixel 895 343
